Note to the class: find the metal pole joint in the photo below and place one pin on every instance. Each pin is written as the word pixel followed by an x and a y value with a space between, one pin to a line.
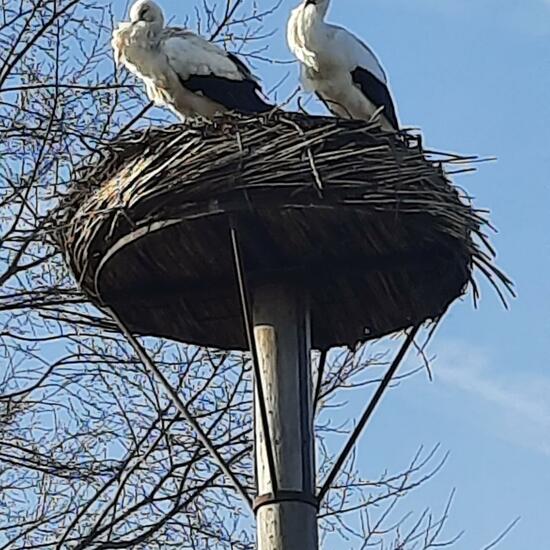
pixel 285 496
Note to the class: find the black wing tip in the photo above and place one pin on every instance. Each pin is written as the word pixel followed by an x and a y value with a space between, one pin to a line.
pixel 377 92
pixel 255 105
pixel 240 96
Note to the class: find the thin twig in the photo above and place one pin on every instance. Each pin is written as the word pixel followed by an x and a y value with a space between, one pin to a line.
pixel 182 408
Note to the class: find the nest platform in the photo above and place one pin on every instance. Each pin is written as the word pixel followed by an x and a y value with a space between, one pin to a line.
pixel 363 221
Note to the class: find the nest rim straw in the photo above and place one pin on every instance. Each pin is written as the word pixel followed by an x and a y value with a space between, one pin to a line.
pixel 366 221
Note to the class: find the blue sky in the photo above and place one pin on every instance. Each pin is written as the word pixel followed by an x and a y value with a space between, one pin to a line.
pixel 475 77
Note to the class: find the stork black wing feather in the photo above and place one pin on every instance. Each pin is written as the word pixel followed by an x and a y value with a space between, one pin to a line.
pixel 377 92
pixel 240 65
pixel 236 95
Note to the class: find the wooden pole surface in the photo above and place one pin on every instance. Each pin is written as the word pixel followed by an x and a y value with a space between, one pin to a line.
pixel 286 519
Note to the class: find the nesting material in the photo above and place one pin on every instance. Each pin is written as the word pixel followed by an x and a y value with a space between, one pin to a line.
pixel 363 221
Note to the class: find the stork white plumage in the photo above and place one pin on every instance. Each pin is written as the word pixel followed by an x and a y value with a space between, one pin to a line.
pixel 181 70
pixel 342 71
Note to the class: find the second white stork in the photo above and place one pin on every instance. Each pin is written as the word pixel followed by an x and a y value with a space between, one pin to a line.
pixel 182 70
pixel 342 71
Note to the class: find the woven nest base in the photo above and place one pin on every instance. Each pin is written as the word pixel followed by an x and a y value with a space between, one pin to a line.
pixel 359 219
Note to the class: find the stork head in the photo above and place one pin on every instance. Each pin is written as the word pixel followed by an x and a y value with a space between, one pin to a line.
pixel 320 6
pixel 148 12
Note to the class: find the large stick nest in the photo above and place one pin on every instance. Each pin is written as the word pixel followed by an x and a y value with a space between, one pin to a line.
pixel 367 223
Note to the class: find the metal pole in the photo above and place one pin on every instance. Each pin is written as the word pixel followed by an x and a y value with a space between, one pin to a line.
pixel 367 414
pixel 287 517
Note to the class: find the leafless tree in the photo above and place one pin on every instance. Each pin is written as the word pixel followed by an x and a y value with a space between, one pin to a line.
pixel 92 452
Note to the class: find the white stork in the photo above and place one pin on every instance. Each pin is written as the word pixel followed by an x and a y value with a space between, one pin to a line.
pixel 182 70
pixel 342 71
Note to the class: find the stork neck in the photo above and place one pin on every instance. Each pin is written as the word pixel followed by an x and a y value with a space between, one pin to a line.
pixel 147 32
pixel 320 9
pixel 313 20
pixel 154 28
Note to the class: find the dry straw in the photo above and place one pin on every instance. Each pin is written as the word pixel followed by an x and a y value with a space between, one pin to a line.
pixel 368 221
